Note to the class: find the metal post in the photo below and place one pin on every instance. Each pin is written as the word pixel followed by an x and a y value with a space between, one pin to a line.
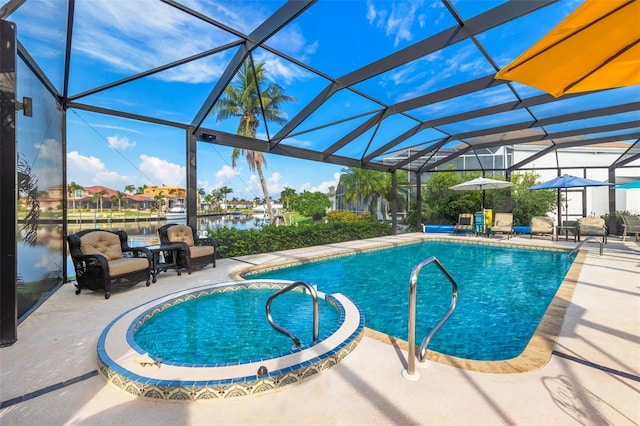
pixel 418 201
pixel 8 186
pixel 192 181
pixel 394 202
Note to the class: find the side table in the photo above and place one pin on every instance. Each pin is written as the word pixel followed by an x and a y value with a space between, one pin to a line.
pixel 564 229
pixel 163 257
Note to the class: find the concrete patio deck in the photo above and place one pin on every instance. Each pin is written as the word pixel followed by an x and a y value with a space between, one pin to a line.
pixel 593 377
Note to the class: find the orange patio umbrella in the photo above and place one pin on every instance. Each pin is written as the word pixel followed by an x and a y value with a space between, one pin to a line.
pixel 596 47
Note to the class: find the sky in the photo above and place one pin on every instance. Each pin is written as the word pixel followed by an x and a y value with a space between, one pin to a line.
pixel 113 40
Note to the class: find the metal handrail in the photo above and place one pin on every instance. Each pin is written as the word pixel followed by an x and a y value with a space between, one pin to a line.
pixel 410 373
pixel 591 238
pixel 314 295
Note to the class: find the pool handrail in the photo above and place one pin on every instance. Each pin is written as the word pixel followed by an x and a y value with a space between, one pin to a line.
pixel 410 372
pixel 314 296
pixel 590 238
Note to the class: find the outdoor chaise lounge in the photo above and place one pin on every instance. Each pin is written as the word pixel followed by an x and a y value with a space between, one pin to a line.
pixel 595 226
pixel 631 225
pixel 503 223
pixel 103 260
pixel 196 252
pixel 465 223
pixel 541 225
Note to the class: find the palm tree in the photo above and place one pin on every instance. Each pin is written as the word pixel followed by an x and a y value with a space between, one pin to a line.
pixel 287 194
pixel 224 191
pixel 118 196
pixel 129 189
pixel 248 97
pixel 402 190
pixel 216 196
pixel 97 198
pixel 363 185
pixel 71 189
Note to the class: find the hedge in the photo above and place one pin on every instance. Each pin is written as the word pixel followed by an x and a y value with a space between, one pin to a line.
pixel 233 242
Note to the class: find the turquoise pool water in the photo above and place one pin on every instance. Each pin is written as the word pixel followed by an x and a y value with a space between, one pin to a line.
pixel 231 327
pixel 502 292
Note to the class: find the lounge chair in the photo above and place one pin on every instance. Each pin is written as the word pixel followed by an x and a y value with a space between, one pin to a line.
pixel 541 225
pixel 103 260
pixel 595 226
pixel 631 225
pixel 503 223
pixel 465 223
pixel 196 252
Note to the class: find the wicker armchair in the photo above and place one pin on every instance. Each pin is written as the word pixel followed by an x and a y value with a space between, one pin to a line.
pixel 196 252
pixel 103 260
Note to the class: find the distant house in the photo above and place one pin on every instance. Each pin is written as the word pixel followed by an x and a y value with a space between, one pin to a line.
pixel 86 198
pixel 169 196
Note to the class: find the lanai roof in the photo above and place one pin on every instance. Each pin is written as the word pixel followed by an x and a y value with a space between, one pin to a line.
pixel 374 103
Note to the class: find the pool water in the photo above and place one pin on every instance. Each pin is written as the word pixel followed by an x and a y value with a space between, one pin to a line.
pixel 502 292
pixel 232 327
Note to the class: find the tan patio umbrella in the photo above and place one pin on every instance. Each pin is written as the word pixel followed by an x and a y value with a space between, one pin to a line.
pixel 480 184
pixel 596 47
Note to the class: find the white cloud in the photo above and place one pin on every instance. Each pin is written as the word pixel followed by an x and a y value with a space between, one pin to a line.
pixel 322 186
pixel 90 171
pixel 50 150
pixel 121 143
pixel 225 176
pixel 398 22
pixel 124 35
pixel 162 172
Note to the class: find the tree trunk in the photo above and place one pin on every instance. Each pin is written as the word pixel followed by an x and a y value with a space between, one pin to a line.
pixel 265 191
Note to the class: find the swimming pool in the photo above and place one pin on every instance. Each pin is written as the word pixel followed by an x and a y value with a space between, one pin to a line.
pixel 503 292
pixel 126 365
pixel 231 327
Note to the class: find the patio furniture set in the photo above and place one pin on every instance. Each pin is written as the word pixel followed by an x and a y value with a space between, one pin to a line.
pixel 104 260
pixel 482 223
pixel 543 225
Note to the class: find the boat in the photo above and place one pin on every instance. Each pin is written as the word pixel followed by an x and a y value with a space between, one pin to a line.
pixel 178 211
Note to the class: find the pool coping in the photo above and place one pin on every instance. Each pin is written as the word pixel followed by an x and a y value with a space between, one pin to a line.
pixel 538 350
pixel 120 362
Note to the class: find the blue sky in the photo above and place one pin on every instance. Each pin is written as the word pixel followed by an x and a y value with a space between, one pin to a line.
pixel 118 39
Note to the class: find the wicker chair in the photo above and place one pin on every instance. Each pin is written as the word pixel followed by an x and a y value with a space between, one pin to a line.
pixel 196 252
pixel 103 260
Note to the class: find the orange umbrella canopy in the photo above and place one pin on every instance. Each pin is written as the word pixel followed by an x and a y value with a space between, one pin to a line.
pixel 596 47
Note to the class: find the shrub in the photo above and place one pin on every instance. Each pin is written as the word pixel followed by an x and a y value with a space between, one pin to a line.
pixel 240 242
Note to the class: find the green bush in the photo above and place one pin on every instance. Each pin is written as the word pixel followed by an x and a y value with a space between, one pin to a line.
pixel 348 216
pixel 240 242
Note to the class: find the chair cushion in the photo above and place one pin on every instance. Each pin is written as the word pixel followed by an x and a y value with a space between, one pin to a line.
pixel 199 251
pixel 502 222
pixel 101 242
pixel 541 224
pixel 127 265
pixel 180 233
pixel 591 226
